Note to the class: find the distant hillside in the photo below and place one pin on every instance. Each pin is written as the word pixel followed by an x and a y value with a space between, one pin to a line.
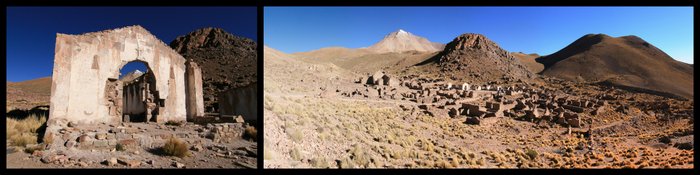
pixel 28 94
pixel 628 61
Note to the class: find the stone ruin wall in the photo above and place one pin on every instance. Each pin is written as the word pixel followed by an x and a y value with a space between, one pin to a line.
pixel 240 101
pixel 194 91
pixel 84 63
pixel 134 95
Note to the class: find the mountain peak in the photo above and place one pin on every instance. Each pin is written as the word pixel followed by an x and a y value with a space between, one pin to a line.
pixel 472 41
pixel 475 58
pixel 401 31
pixel 401 41
pixel 399 34
pixel 131 76
pixel 206 38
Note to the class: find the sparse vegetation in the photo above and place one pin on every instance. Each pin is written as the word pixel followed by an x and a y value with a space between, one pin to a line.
pixel 173 123
pixel 319 162
pixel 176 147
pixel 295 154
pixel 24 132
pixel 267 153
pixel 31 149
pixel 251 133
pixel 120 147
pixel 359 156
pixel 294 133
pixel 532 154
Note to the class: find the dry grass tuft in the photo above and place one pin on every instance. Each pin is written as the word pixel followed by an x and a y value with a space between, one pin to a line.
pixel 120 147
pixel 176 147
pixel 294 134
pixel 251 133
pixel 267 152
pixel 320 162
pixel 24 132
pixel 295 154
pixel 31 149
pixel 532 154
pixel 174 123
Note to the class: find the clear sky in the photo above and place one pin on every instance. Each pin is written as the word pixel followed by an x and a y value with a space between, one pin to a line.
pixel 542 30
pixel 31 31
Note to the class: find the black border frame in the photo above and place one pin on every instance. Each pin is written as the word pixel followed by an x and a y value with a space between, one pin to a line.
pixel 261 4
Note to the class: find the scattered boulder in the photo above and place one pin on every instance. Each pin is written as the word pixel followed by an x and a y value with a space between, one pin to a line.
pixel 239 119
pixel 178 165
pixel 101 136
pixel 684 145
pixel 473 121
pixel 111 161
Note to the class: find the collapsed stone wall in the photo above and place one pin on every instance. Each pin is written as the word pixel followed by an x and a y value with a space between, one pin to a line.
pixel 240 101
pixel 134 96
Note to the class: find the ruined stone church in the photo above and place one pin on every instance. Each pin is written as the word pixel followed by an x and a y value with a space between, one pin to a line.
pixel 86 88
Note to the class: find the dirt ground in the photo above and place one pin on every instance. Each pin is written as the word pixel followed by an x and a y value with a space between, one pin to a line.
pixel 308 123
pixel 237 153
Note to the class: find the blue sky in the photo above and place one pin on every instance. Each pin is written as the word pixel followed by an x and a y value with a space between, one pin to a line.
pixel 542 30
pixel 31 31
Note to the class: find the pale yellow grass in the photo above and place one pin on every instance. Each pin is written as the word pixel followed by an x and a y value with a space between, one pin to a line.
pixel 24 132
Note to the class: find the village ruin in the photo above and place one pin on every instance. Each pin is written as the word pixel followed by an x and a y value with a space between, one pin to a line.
pixel 436 97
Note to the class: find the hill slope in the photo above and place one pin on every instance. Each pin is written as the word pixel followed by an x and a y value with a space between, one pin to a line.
pixel 627 61
pixel 28 94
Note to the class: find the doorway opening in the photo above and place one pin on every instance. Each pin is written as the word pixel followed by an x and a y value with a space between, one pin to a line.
pixel 140 99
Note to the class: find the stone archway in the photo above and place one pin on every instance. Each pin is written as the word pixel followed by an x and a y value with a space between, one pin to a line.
pixel 85 64
pixel 139 100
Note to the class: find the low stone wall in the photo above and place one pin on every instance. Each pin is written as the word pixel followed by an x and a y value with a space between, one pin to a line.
pixel 225 132
pixel 108 136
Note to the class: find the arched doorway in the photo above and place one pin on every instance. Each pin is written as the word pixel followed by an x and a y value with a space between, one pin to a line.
pixel 140 101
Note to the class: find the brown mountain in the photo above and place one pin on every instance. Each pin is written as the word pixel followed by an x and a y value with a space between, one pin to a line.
pixel 28 94
pixel 475 58
pixel 227 61
pixel 626 61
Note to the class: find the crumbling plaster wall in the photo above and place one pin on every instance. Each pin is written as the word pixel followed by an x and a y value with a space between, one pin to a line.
pixel 84 63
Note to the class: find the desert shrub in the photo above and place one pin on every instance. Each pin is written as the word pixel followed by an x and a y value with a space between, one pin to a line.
pixel 23 132
pixel 31 149
pixel 359 156
pixel 176 147
pixel 532 154
pixel 267 153
pixel 251 133
pixel 173 123
pixel 319 162
pixel 295 154
pixel 295 134
pixel 120 147
pixel 23 139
